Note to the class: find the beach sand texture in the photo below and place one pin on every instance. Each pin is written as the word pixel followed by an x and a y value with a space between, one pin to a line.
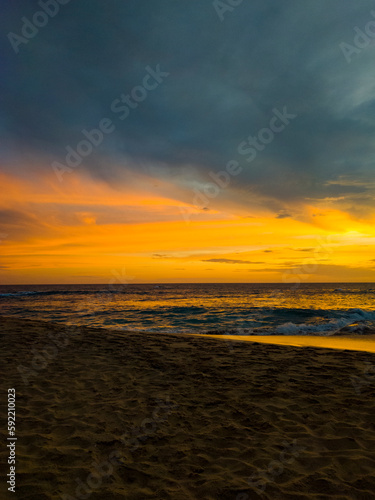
pixel 113 415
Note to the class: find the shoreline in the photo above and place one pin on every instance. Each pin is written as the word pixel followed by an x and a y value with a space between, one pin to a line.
pixel 362 343
pixel 365 343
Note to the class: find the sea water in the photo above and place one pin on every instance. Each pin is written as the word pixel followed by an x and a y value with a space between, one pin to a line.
pixel 243 309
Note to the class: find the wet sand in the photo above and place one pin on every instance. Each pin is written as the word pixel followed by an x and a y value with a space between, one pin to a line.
pixel 364 343
pixel 110 415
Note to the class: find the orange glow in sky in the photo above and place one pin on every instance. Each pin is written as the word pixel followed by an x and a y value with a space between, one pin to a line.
pixel 86 231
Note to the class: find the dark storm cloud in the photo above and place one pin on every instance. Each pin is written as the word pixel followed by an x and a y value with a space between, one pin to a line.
pixel 225 79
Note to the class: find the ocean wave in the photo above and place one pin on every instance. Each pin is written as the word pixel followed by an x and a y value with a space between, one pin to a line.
pixel 333 322
pixel 18 294
pixel 359 318
pixel 61 292
pixel 173 310
pixel 333 327
pixel 353 292
pixel 239 313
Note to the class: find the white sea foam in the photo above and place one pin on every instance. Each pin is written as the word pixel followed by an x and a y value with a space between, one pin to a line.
pixel 331 327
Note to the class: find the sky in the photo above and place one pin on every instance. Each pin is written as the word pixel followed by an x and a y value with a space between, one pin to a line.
pixel 187 141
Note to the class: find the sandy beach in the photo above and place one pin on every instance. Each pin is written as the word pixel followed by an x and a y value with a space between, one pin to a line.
pixel 110 415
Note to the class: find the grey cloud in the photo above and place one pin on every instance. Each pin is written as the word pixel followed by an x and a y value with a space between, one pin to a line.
pixel 283 216
pixel 225 80
pixel 232 261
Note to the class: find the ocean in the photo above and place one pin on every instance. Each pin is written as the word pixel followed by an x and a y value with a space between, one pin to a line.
pixel 243 309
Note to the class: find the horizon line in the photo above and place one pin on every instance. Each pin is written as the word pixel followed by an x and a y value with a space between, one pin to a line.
pixel 196 283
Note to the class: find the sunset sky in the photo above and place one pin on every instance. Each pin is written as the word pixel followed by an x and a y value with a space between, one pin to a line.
pixel 183 92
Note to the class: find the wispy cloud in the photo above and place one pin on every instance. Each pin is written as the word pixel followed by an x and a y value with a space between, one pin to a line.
pixel 232 261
